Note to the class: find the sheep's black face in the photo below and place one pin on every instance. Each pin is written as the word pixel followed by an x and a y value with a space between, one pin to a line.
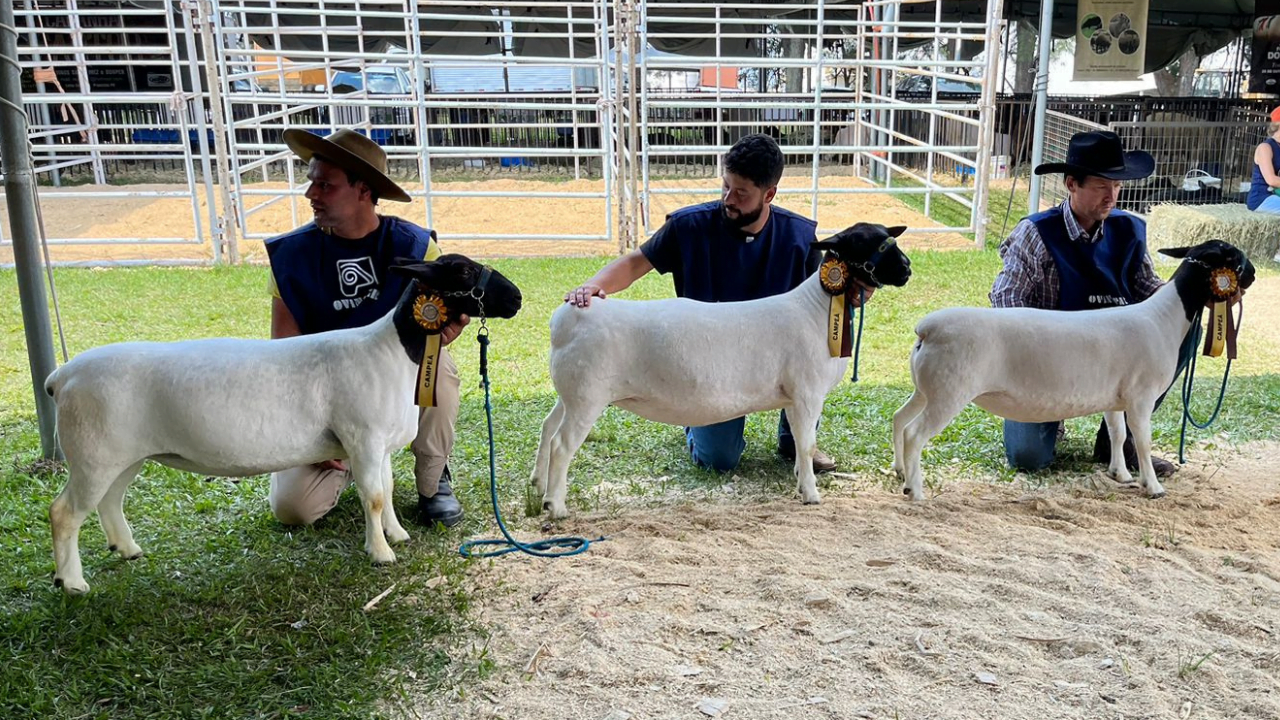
pixel 465 285
pixel 1216 255
pixel 872 253
pixel 1208 269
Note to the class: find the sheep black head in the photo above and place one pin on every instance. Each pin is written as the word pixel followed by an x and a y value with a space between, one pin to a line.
pixel 444 289
pixel 465 286
pixel 871 254
pixel 1213 270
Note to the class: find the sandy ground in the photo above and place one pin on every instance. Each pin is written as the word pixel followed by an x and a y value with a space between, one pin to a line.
pixel 1081 599
pixel 66 216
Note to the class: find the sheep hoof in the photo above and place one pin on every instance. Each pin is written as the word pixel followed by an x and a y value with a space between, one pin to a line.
pixel 71 587
pixel 906 490
pixel 815 500
pixel 397 535
pixel 1156 496
pixel 129 552
pixel 383 557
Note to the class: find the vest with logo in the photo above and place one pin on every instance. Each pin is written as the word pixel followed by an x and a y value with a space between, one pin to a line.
pixel 1095 274
pixel 331 283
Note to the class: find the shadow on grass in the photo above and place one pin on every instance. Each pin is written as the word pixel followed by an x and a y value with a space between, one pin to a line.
pixel 229 614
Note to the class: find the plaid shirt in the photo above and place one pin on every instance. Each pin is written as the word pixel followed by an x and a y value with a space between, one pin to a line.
pixel 1030 277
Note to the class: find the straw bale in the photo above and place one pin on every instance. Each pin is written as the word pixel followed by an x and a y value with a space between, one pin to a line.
pixel 1257 234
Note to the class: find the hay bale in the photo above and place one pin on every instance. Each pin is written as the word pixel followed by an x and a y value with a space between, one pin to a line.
pixel 1257 234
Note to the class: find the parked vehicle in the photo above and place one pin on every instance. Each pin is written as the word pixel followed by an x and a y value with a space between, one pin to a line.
pixel 392 121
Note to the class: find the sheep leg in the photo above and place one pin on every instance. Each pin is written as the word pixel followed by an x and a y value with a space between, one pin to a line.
pixel 804 428
pixel 908 412
pixel 573 431
pixel 937 414
pixel 541 466
pixel 1115 429
pixel 366 471
pixel 394 531
pixel 84 491
pixel 111 515
pixel 1140 425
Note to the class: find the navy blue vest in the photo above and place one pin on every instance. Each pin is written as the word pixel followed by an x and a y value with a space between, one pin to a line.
pixel 1259 189
pixel 1099 274
pixel 712 261
pixel 332 283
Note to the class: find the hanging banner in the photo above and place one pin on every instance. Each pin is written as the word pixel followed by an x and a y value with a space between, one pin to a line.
pixel 1111 39
pixel 1264 71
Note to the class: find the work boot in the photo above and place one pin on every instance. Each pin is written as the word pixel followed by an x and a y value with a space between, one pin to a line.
pixel 442 507
pixel 822 462
pixel 1102 453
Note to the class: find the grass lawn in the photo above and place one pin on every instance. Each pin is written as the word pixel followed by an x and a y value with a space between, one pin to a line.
pixel 231 615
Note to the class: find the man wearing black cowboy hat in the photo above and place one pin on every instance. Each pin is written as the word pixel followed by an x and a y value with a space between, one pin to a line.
pixel 1082 255
pixel 331 274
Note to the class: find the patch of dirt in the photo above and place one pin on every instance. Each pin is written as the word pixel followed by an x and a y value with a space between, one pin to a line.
pixel 1076 600
pixel 67 216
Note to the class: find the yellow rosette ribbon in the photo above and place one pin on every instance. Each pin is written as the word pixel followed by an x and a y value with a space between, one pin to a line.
pixel 430 313
pixel 834 276
pixel 1224 285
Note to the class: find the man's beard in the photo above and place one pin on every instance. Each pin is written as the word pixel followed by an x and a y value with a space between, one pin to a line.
pixel 743 219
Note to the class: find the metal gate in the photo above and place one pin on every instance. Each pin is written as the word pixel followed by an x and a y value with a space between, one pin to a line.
pixel 595 116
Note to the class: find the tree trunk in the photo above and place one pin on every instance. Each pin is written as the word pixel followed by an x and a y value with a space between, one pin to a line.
pixel 1177 78
pixel 1024 75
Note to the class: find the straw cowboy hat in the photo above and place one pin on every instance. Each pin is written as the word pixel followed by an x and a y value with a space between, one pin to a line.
pixel 1101 153
pixel 352 152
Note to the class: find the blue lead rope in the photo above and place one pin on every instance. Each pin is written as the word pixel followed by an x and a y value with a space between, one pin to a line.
pixel 541 548
pixel 857 347
pixel 1188 382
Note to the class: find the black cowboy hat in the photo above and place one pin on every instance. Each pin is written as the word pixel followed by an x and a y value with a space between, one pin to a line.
pixel 1101 153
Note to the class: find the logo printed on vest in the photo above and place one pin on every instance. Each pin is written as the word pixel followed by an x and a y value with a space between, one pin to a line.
pixel 355 275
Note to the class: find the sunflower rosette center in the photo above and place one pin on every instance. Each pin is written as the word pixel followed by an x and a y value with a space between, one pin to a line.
pixel 430 312
pixel 1223 283
pixel 834 276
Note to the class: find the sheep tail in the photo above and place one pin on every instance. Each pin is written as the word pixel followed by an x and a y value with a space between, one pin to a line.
pixel 51 382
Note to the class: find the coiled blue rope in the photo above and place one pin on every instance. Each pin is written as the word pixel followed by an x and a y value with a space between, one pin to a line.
pixel 541 548
pixel 1188 382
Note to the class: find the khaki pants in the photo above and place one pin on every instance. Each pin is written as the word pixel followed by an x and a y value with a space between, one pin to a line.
pixel 302 495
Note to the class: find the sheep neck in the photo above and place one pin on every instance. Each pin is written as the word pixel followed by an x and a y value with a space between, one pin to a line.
pixel 1192 285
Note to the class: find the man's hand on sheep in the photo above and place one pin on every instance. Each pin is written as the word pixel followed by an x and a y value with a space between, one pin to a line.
pixel 581 296
pixel 454 329
pixel 447 335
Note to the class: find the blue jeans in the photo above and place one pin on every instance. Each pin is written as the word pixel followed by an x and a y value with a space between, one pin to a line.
pixel 719 447
pixel 1032 446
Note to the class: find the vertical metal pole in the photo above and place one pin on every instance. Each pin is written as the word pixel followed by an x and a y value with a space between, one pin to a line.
pixel 32 38
pixel 226 223
pixel 196 103
pixel 987 115
pixel 1042 100
pixel 19 187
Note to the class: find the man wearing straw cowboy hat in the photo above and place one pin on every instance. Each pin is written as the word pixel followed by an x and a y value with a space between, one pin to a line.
pixel 1081 255
pixel 331 274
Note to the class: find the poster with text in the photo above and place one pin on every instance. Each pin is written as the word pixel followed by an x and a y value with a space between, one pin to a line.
pixel 1111 39
pixel 1264 72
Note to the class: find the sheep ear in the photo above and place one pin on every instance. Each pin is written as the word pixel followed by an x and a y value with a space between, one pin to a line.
pixel 412 268
pixel 823 244
pixel 1175 252
pixel 896 230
